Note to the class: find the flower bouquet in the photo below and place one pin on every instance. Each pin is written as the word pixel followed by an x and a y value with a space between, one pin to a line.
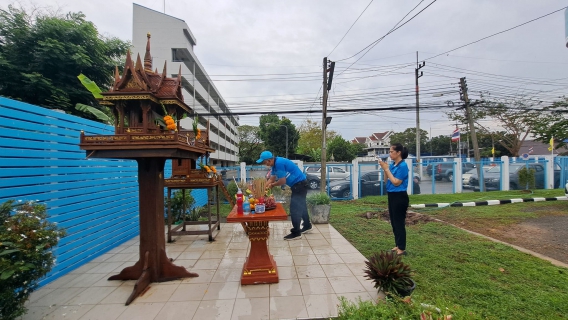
pixel 196 130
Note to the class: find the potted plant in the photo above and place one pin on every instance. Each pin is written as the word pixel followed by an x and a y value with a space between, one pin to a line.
pixel 390 274
pixel 319 205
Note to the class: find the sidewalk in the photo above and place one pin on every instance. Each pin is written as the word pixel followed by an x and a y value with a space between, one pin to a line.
pixel 314 272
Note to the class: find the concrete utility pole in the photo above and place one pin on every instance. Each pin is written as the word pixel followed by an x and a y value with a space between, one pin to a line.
pixel 463 87
pixel 416 76
pixel 323 170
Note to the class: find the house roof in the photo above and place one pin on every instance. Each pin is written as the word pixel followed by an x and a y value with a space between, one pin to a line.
pixel 359 140
pixel 540 148
pixel 380 135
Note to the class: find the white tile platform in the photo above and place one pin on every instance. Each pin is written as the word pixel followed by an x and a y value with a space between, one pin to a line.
pixel 314 271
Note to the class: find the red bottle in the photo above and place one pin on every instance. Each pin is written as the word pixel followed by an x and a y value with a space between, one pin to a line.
pixel 239 202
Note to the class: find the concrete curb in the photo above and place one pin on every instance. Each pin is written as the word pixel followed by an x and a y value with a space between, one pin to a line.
pixel 486 203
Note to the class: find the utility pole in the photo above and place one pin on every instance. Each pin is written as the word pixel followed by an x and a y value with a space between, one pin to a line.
pixel 416 76
pixel 323 171
pixel 469 115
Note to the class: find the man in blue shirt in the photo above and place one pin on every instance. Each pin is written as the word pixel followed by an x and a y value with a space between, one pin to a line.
pixel 287 172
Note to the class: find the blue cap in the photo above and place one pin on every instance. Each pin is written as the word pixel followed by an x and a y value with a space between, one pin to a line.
pixel 265 155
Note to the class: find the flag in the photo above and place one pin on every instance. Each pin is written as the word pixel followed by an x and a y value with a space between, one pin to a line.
pixel 551 144
pixel 531 150
pixel 456 135
pixel 493 151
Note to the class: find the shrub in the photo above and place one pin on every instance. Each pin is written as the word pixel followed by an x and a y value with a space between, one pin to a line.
pixel 526 178
pixel 194 214
pixel 177 202
pixel 232 189
pixel 26 239
pixel 318 198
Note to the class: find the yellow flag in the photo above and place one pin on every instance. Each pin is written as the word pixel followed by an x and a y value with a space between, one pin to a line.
pixel 551 144
pixel 493 151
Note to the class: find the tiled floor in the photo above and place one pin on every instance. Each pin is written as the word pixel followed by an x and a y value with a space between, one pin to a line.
pixel 314 271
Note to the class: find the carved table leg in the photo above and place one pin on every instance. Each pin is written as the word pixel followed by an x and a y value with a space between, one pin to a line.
pixel 260 266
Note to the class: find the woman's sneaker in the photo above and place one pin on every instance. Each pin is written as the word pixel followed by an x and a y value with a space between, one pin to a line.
pixel 292 236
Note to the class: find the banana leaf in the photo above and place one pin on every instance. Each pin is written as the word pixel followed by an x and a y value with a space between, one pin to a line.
pixel 94 111
pixel 91 86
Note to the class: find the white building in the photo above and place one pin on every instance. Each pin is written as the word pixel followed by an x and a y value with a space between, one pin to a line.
pixel 173 42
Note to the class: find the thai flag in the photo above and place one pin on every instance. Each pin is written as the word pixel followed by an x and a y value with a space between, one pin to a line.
pixel 456 135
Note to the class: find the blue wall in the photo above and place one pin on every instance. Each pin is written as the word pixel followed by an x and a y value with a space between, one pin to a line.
pixel 95 200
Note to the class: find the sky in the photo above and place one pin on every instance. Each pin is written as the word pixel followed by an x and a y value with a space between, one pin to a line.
pixel 267 56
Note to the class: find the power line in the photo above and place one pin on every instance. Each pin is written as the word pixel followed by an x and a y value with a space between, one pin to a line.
pixel 522 24
pixel 350 28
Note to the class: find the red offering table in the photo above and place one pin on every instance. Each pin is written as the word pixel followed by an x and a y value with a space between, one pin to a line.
pixel 260 266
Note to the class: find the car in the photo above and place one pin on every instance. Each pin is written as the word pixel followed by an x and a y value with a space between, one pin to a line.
pixel 370 186
pixel 466 176
pixel 492 177
pixel 333 172
pixel 313 181
pixel 445 170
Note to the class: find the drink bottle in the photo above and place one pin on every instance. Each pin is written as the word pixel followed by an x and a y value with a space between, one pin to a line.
pixel 239 202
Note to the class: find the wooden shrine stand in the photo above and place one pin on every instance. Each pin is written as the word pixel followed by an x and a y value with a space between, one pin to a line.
pixel 141 100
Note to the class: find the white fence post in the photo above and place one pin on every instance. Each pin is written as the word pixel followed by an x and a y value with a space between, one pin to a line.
pixel 243 172
pixel 505 185
pixel 549 171
pixel 355 179
pixel 410 175
pixel 458 180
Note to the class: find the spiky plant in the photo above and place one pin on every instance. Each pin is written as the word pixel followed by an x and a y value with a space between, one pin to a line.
pixel 388 272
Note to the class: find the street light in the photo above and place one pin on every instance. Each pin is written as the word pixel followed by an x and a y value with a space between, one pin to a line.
pixel 266 125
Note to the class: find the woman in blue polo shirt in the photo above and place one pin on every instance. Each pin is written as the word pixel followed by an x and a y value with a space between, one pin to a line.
pixel 396 177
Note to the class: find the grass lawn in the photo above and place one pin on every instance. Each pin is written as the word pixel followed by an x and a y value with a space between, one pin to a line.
pixel 492 280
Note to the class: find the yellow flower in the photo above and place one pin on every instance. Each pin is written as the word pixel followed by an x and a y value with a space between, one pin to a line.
pixel 213 169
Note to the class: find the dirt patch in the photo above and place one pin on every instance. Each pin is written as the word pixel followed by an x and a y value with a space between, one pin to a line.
pixel 545 235
pixel 412 217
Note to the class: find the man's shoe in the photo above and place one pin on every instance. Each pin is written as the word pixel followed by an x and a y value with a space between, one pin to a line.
pixel 307 230
pixel 292 236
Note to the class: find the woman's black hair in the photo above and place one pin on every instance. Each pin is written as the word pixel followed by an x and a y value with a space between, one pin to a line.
pixel 403 150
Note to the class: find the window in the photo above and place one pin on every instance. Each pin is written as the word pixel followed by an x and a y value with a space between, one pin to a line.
pixel 177 55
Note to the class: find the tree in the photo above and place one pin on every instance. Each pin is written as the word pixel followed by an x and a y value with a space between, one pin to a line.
pixel 408 139
pixel 341 149
pixel 250 144
pixel 42 54
pixel 273 134
pixel 439 145
pixel 553 122
pixel 311 136
pixel 514 116
pixel 358 148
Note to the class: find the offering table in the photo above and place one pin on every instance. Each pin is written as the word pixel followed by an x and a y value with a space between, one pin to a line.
pixel 259 266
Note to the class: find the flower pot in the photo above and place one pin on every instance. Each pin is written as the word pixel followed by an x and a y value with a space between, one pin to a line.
pixel 407 291
pixel 320 213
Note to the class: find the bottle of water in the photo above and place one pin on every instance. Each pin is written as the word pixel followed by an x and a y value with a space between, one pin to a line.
pixel 246 208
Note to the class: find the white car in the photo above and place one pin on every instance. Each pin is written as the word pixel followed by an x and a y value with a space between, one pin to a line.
pixel 333 173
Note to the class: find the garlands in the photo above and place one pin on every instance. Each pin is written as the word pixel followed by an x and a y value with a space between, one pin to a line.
pixel 196 130
pixel 169 120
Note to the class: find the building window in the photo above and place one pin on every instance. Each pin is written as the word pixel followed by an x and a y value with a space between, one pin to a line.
pixel 177 55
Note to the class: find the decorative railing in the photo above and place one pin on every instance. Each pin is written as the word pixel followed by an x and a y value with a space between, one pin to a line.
pixel 194 177
pixel 183 137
